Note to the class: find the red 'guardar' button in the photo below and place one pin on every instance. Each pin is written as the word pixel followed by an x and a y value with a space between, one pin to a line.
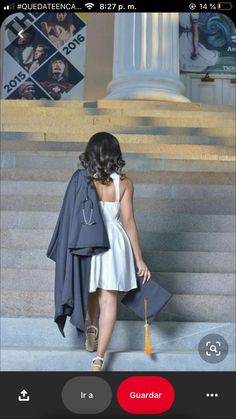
pixel 145 395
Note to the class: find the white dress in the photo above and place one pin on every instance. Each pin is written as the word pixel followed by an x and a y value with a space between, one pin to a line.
pixel 115 268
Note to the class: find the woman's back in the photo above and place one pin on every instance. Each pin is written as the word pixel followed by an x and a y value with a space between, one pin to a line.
pixel 109 199
pixel 108 193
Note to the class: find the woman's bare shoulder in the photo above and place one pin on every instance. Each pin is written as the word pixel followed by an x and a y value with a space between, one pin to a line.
pixel 126 185
pixel 127 181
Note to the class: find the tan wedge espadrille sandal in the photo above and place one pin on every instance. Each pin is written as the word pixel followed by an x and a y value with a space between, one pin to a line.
pixel 91 342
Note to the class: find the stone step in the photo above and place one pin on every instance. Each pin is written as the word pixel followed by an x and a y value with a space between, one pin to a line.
pixel 184 222
pixel 65 141
pixel 73 142
pixel 88 130
pixel 54 160
pixel 23 239
pixel 187 308
pixel 174 150
pixel 117 104
pixel 52 119
pixel 153 104
pixel 66 360
pixel 155 223
pixel 165 336
pixel 151 177
pixel 162 261
pixel 142 190
pixel 55 111
pixel 155 205
pixel 176 282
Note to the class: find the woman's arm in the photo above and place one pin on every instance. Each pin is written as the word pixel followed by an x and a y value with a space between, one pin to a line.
pixel 128 221
pixel 195 39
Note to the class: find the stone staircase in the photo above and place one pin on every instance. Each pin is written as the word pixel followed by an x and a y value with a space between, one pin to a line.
pixel 181 158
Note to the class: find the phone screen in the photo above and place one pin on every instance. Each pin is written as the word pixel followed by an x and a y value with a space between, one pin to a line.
pixel 118 210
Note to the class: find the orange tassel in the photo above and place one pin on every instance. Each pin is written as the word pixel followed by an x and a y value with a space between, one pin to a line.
pixel 147 348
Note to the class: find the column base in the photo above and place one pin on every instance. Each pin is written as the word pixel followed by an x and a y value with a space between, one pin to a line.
pixel 162 89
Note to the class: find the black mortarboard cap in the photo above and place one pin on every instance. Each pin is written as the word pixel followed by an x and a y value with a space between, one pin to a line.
pixel 156 295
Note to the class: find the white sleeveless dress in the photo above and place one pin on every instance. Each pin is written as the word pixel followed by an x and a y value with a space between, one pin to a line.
pixel 115 268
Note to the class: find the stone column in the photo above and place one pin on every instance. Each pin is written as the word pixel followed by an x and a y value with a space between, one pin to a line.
pixel 146 58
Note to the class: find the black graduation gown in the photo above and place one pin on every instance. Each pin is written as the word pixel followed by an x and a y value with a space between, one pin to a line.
pixel 79 233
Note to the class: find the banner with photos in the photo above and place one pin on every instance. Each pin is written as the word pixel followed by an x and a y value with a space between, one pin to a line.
pixel 207 43
pixel 44 56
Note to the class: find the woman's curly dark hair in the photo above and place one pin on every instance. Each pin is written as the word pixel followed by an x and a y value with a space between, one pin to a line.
pixel 102 157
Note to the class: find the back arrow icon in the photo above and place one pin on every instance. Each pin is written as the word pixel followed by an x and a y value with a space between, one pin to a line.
pixel 19 33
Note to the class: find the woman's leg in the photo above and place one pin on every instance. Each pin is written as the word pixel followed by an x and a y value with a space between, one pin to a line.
pixel 92 308
pixel 108 308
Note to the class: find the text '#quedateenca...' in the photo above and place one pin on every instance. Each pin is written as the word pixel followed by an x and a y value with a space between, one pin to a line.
pixel 46 6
